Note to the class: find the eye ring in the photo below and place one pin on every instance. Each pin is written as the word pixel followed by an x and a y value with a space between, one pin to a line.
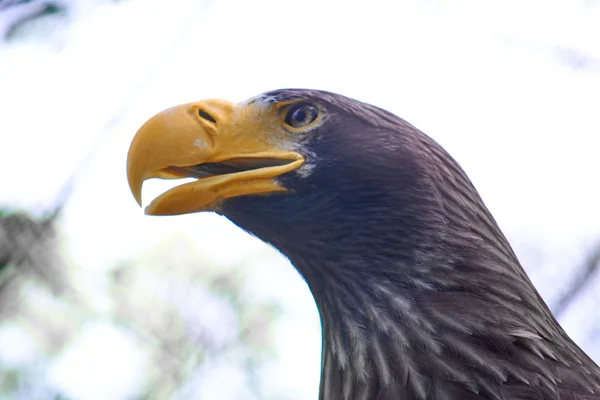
pixel 301 115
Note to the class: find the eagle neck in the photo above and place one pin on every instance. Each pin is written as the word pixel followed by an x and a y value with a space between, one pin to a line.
pixel 384 330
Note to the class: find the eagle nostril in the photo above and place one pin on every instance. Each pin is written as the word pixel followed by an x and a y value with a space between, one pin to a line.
pixel 206 116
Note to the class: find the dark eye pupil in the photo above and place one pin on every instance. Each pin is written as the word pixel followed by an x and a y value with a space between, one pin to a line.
pixel 301 115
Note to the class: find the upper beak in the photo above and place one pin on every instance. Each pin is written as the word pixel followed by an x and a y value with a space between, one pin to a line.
pixel 228 147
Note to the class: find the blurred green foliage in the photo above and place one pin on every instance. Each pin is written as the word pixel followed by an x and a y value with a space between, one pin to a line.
pixel 181 312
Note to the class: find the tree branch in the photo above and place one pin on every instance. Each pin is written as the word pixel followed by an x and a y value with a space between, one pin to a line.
pixel 581 279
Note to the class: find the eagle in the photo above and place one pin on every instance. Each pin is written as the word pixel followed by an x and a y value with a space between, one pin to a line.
pixel 419 293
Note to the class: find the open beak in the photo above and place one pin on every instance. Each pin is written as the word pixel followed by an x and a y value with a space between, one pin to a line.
pixel 232 150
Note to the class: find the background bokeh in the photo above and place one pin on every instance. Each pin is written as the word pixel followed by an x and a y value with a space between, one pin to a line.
pixel 99 301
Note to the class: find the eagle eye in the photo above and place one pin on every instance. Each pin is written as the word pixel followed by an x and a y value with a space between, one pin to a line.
pixel 300 115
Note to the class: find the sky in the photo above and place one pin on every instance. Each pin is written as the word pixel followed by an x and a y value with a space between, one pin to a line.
pixel 510 88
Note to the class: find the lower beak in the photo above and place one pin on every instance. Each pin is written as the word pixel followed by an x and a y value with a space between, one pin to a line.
pixel 228 150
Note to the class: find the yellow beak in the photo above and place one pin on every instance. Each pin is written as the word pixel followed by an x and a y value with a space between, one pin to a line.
pixel 232 150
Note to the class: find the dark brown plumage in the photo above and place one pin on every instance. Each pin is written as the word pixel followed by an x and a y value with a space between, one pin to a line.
pixel 419 292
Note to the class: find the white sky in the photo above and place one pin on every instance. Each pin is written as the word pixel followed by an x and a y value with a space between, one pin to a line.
pixel 482 78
